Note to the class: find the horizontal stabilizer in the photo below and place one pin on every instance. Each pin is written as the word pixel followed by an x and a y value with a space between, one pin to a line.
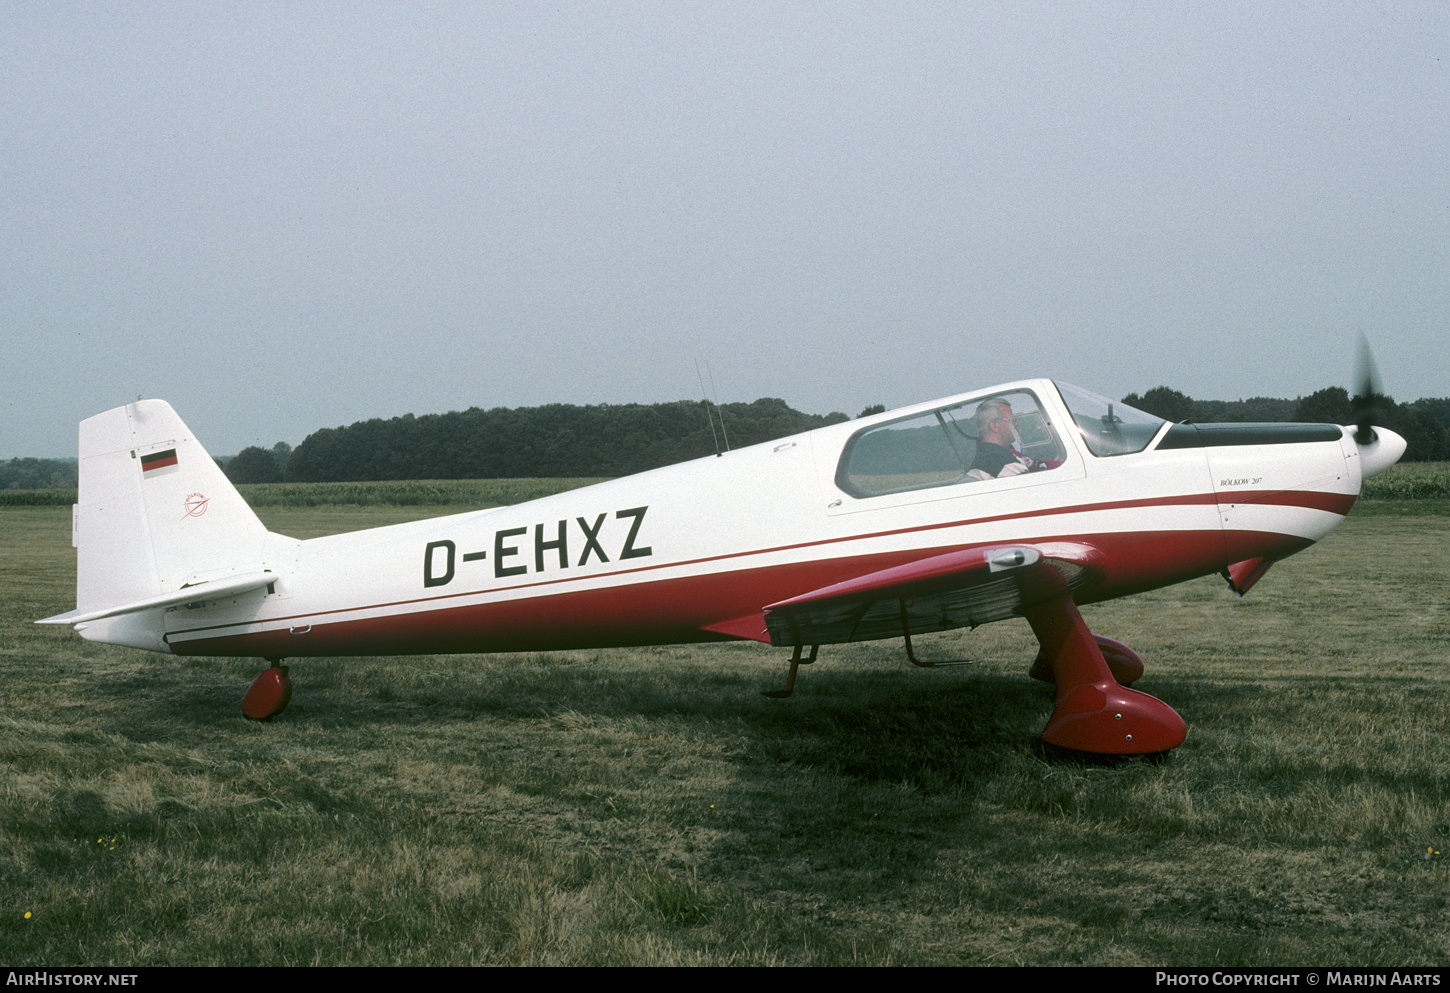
pixel 195 593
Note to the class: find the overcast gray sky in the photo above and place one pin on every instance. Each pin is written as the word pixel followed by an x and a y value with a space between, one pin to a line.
pixel 287 216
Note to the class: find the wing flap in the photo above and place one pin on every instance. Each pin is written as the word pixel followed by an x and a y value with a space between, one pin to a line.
pixel 956 589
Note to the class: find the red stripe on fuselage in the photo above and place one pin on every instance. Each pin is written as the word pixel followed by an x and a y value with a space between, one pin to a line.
pixel 1332 503
pixel 673 611
pixel 740 556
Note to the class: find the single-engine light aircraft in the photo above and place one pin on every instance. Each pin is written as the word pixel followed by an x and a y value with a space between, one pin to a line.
pixel 1024 500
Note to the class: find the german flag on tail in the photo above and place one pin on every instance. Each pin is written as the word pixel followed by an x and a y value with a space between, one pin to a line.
pixel 157 460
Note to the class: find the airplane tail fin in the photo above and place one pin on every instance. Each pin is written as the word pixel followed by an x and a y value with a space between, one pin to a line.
pixel 156 518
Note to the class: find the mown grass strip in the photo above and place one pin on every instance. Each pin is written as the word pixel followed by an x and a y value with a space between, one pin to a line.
pixel 647 806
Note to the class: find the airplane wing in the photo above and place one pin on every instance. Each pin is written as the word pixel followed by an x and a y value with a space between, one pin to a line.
pixel 957 589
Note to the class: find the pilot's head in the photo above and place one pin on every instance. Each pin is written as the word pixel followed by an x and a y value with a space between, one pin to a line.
pixel 994 422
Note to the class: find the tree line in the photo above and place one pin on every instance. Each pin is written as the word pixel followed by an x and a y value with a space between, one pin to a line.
pixel 565 440
pixel 553 441
pixel 1424 424
pixel 38 474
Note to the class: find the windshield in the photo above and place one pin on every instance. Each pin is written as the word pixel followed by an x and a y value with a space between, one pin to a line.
pixel 1110 427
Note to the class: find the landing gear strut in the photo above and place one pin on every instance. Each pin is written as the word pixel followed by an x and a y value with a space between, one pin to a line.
pixel 1094 712
pixel 795 663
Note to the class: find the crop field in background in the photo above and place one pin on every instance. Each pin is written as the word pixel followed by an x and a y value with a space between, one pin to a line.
pixel 1408 484
pixel 460 493
pixel 648 806
pixel 1409 481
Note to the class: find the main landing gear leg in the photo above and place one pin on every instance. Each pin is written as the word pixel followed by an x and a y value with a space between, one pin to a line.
pixel 269 693
pixel 1094 713
pixel 1123 662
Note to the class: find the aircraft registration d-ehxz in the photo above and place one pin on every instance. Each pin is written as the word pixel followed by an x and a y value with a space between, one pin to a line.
pixel 1024 500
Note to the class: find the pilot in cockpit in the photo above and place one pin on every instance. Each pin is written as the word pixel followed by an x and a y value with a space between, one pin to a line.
pixel 995 456
pixel 997 444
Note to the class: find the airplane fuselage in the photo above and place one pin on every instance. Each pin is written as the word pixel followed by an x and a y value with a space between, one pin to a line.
pixel 694 552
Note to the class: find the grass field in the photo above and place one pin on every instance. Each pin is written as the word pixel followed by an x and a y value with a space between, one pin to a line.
pixel 649 807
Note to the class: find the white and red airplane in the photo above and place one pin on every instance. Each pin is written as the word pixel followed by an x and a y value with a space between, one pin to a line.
pixel 1023 500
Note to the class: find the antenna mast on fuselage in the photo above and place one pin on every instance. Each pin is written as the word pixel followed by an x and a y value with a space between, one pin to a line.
pixel 715 406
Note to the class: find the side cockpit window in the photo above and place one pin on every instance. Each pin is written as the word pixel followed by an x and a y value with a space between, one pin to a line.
pixel 994 437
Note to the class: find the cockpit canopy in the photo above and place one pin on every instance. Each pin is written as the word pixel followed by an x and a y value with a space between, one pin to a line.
pixel 950 444
pixel 1002 434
